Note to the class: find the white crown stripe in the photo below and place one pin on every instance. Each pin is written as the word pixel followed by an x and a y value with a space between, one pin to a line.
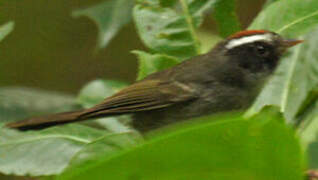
pixel 245 40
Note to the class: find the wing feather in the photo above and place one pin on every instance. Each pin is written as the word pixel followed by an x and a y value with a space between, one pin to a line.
pixel 143 96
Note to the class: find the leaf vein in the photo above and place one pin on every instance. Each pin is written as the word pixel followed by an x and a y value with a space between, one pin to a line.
pixel 297 21
pixel 81 140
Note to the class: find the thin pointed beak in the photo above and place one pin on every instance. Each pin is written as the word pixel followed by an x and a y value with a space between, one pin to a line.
pixel 291 42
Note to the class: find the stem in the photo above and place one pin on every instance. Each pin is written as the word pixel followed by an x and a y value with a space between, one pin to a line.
pixel 190 25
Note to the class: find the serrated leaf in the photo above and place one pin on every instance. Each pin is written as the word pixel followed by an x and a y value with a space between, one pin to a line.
pixel 226 18
pixel 231 149
pixel 288 17
pixel 295 78
pixel 166 30
pixel 110 16
pixel 46 152
pixel 150 63
pixel 95 92
pixel 6 29
pixel 17 103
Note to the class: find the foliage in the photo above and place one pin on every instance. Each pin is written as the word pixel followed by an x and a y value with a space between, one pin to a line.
pixel 109 16
pixel 262 147
pixel 308 132
pixel 149 63
pixel 294 80
pixel 6 29
pixel 166 30
pixel 226 18
pixel 18 103
pixel 18 150
pixel 231 149
pixel 22 152
pixel 301 17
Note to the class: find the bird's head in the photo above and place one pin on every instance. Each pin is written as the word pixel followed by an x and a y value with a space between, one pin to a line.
pixel 256 50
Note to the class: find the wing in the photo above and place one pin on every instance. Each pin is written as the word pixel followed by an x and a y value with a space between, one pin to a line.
pixel 143 96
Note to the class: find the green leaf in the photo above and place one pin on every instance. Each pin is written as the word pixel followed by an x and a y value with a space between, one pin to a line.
pixel 110 16
pixel 167 3
pixel 309 129
pixel 268 2
pixel 46 152
pixel 309 134
pixel 150 63
pixel 208 39
pixel 288 17
pixel 49 152
pixel 166 30
pixel 17 103
pixel 295 78
pixel 95 92
pixel 198 8
pixel 105 145
pixel 6 29
pixel 226 18
pixel 259 149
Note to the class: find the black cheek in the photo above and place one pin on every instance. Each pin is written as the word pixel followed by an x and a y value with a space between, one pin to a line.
pixel 271 62
pixel 246 59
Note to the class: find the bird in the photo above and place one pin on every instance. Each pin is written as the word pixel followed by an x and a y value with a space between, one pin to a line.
pixel 229 77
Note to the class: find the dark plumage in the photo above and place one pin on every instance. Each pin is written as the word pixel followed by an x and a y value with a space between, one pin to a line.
pixel 227 78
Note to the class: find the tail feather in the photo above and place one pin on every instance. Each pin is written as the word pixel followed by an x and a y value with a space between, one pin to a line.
pixel 42 122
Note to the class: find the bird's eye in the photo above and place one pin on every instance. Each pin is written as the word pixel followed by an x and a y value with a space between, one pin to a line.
pixel 261 50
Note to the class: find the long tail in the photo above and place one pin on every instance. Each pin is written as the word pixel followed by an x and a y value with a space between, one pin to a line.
pixel 41 122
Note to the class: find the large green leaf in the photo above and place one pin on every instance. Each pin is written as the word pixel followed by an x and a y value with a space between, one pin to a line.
pixel 105 145
pixel 17 103
pixel 226 18
pixel 150 63
pixel 166 30
pixel 261 149
pixel 44 152
pixel 6 29
pixel 288 17
pixel 110 16
pixel 295 78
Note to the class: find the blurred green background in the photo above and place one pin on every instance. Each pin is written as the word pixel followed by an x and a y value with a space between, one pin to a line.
pixel 49 49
